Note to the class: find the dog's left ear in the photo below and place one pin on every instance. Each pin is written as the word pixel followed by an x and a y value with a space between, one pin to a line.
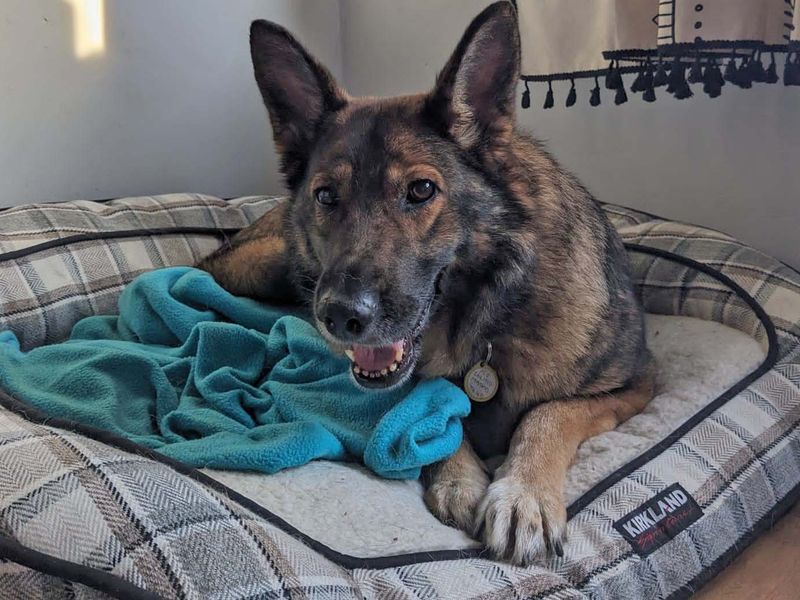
pixel 474 96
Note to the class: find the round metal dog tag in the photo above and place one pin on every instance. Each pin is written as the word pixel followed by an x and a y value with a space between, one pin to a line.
pixel 481 382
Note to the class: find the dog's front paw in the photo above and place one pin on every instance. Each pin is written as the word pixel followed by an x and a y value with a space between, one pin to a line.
pixel 520 522
pixel 454 500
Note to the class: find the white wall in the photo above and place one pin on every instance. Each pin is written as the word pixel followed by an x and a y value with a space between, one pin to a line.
pixel 730 163
pixel 170 106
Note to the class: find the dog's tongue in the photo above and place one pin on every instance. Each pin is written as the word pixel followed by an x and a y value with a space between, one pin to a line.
pixel 373 358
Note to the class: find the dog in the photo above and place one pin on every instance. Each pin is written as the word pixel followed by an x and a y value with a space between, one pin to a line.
pixel 425 232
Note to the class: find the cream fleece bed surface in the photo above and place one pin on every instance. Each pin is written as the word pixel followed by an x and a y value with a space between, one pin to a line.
pixel 356 513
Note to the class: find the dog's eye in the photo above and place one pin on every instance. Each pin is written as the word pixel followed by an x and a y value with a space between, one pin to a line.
pixel 421 190
pixel 325 196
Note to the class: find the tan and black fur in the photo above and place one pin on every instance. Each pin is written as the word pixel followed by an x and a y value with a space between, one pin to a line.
pixel 511 250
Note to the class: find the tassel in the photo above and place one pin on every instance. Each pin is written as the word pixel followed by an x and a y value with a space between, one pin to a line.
pixel 678 86
pixel 649 90
pixel 638 84
pixel 676 75
pixel 745 78
pixel 731 73
pixel 757 71
pixel 649 94
pixel 696 72
pixel 772 71
pixel 648 75
pixel 620 97
pixel 661 76
pixel 613 77
pixel 683 91
pixel 791 72
pixel 594 99
pixel 548 100
pixel 712 80
pixel 572 97
pixel 526 96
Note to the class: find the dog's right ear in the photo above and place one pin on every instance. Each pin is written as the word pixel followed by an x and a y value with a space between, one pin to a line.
pixel 297 90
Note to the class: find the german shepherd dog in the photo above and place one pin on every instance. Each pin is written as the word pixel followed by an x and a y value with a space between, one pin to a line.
pixel 422 228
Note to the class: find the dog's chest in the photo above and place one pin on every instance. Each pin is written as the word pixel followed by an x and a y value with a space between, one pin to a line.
pixel 490 425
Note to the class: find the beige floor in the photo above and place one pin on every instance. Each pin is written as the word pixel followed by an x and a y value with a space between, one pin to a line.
pixel 767 570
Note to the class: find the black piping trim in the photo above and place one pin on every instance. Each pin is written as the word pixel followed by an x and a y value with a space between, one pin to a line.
pixel 73 572
pixel 85 574
pixel 125 233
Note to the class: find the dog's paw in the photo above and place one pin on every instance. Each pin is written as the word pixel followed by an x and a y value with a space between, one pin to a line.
pixel 521 523
pixel 454 500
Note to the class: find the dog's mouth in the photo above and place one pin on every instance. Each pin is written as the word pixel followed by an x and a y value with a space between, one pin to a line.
pixel 384 367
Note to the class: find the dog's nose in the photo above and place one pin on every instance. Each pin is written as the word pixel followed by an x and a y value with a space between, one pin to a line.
pixel 349 319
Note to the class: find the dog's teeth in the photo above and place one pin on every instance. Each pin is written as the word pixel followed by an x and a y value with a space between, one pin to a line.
pixel 398 356
pixel 384 372
pixel 350 354
pixel 393 367
pixel 356 370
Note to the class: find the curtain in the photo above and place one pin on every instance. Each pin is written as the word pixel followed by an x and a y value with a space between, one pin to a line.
pixel 641 45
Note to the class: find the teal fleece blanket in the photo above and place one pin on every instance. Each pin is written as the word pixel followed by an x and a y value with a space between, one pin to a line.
pixel 214 380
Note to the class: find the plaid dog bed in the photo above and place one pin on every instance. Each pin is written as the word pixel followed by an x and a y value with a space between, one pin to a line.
pixel 86 515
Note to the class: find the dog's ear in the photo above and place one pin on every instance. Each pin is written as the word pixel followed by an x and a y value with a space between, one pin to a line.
pixel 297 90
pixel 474 96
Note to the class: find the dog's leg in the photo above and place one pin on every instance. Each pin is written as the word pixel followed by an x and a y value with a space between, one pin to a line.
pixel 523 512
pixel 455 486
pixel 255 262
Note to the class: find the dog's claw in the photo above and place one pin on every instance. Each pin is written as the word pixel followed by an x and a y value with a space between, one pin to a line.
pixel 519 523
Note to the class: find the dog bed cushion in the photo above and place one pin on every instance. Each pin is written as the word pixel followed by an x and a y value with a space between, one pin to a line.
pixel 657 507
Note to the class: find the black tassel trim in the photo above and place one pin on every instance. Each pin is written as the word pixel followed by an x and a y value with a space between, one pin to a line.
pixel 661 78
pixel 791 72
pixel 526 97
pixel 772 71
pixel 731 72
pixel 744 79
pixel 757 71
pixel 649 88
pixel 620 97
pixel 678 86
pixel 638 84
pixel 613 77
pixel 548 100
pixel 678 69
pixel 712 80
pixel 572 97
pixel 696 72
pixel 594 99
